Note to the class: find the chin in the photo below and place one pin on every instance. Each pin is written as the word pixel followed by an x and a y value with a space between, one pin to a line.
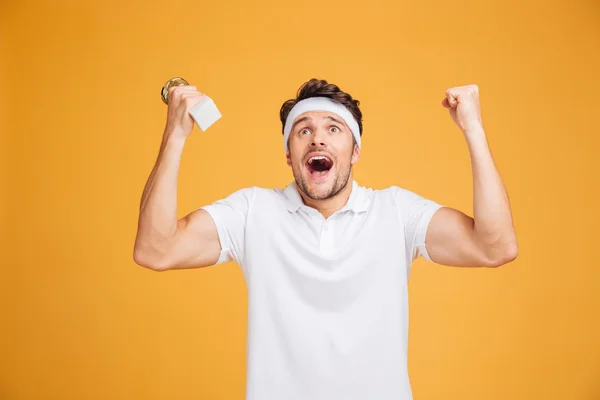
pixel 320 189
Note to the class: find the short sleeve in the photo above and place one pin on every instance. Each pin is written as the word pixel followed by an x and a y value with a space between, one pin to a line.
pixel 416 213
pixel 230 215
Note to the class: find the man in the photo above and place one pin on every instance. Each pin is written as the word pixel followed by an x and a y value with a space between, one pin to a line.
pixel 326 261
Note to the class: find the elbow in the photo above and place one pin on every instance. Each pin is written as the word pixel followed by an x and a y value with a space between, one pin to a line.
pixel 143 260
pixel 507 255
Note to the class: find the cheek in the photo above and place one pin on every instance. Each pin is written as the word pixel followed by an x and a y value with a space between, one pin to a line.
pixel 296 159
pixel 344 144
pixel 345 153
pixel 295 140
pixel 297 151
pixel 295 147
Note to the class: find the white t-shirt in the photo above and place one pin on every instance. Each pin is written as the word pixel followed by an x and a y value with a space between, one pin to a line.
pixel 327 298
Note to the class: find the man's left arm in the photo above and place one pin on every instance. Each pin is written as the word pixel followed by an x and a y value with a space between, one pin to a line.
pixel 488 239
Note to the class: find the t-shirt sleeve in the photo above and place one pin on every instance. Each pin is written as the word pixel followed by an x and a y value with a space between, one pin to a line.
pixel 230 215
pixel 416 213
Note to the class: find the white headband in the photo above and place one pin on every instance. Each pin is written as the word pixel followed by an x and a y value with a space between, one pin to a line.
pixel 320 104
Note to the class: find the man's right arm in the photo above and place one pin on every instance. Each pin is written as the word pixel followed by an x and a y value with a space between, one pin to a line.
pixel 162 241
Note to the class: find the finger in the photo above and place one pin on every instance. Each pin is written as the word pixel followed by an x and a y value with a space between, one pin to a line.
pixel 195 93
pixel 182 87
pixel 192 100
pixel 452 97
pixel 446 104
pixel 178 90
pixel 177 94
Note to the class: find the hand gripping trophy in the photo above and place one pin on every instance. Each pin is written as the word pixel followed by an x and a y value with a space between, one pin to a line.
pixel 204 113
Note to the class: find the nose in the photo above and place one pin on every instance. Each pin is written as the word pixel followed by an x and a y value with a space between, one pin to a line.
pixel 315 143
pixel 319 139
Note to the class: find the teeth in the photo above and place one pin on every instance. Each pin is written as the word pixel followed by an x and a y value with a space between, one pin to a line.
pixel 316 158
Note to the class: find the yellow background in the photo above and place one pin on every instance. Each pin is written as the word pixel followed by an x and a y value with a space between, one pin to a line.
pixel 82 120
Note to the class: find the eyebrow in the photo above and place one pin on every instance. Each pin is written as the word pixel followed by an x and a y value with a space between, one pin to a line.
pixel 309 118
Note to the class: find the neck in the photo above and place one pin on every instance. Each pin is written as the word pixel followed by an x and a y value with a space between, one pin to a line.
pixel 329 206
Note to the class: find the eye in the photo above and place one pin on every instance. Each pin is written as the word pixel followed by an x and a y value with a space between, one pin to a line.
pixel 334 129
pixel 302 131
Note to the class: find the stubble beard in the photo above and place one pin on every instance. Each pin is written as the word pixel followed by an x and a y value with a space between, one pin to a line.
pixel 339 183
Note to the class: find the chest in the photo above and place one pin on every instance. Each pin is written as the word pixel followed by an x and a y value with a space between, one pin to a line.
pixel 349 239
pixel 313 277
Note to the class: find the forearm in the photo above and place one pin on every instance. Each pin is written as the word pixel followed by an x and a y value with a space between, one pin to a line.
pixel 158 207
pixel 493 227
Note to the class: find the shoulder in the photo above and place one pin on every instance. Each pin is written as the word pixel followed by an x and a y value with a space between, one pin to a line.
pixel 405 201
pixel 277 196
pixel 264 193
pixel 257 196
pixel 398 194
pixel 402 196
pixel 244 195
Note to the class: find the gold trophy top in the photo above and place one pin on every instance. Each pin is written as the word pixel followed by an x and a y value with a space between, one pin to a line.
pixel 164 92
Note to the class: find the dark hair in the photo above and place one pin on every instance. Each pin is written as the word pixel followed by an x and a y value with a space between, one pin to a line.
pixel 321 88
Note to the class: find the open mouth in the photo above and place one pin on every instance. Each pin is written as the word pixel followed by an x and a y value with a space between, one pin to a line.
pixel 319 166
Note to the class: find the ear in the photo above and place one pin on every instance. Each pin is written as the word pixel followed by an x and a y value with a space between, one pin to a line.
pixel 288 159
pixel 355 154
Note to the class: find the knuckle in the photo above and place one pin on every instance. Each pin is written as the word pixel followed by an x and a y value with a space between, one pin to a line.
pixel 173 93
pixel 188 101
pixel 178 90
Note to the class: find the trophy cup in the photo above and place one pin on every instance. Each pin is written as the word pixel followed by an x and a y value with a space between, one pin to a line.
pixel 204 113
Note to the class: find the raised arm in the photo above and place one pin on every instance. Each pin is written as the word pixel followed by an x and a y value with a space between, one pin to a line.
pixel 163 242
pixel 488 238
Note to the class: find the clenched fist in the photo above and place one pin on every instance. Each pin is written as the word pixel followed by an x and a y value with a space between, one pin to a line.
pixel 463 104
pixel 181 100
